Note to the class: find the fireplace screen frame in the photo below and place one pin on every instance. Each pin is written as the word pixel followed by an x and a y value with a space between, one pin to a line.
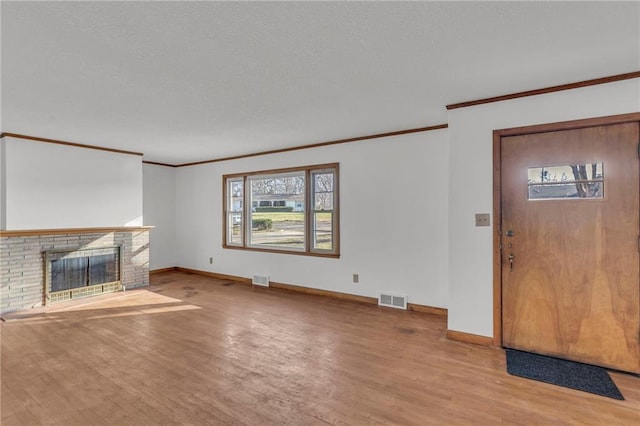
pixel 82 291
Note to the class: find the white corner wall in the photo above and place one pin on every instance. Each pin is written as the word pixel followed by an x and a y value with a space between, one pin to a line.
pixel 3 185
pixel 159 206
pixel 471 190
pixel 51 186
pixel 393 216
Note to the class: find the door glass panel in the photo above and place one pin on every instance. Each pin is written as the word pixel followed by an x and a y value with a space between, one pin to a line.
pixel 566 182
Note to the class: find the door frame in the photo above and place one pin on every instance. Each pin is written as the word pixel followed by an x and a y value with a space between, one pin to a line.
pixel 497 194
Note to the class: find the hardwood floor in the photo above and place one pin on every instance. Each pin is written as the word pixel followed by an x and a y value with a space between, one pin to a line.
pixel 193 350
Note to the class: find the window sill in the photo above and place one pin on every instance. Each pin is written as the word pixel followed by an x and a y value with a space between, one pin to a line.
pixel 280 251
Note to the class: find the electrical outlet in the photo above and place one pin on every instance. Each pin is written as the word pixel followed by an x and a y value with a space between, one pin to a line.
pixel 483 219
pixel 211 260
pixel 356 278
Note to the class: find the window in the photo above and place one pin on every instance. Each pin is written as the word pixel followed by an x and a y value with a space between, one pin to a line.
pixel 571 181
pixel 292 210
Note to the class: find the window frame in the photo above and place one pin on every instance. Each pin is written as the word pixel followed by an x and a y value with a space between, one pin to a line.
pixel 309 211
pixel 229 211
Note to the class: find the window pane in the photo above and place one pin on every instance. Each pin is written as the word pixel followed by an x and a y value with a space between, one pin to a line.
pixel 566 182
pixel 323 191
pixel 568 173
pixel 236 195
pixel 278 221
pixel 323 231
pixel 235 203
pixel 234 231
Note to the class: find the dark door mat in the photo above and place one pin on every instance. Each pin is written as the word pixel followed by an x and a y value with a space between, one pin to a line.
pixel 561 372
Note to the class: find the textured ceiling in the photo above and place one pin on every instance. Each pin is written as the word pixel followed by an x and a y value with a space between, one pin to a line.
pixel 188 81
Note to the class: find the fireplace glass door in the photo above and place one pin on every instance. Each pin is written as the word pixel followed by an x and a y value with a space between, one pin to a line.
pixel 79 273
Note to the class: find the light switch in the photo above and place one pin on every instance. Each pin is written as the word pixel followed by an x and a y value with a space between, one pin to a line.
pixel 483 219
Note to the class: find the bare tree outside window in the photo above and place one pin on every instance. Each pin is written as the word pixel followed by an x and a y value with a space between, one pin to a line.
pixel 585 185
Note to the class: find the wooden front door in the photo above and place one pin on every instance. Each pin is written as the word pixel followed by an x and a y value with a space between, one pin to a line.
pixel 570 244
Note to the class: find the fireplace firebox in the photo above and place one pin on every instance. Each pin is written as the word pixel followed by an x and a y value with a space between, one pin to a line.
pixel 73 274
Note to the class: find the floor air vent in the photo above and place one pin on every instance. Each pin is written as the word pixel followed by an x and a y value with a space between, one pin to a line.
pixel 392 300
pixel 262 280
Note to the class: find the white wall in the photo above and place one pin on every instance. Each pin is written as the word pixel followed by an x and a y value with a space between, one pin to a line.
pixel 393 215
pixel 3 185
pixel 58 186
pixel 470 184
pixel 160 211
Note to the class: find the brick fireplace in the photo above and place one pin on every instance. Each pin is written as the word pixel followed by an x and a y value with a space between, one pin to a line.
pixel 25 262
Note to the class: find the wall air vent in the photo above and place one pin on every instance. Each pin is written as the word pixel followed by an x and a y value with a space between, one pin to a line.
pixel 392 300
pixel 261 280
